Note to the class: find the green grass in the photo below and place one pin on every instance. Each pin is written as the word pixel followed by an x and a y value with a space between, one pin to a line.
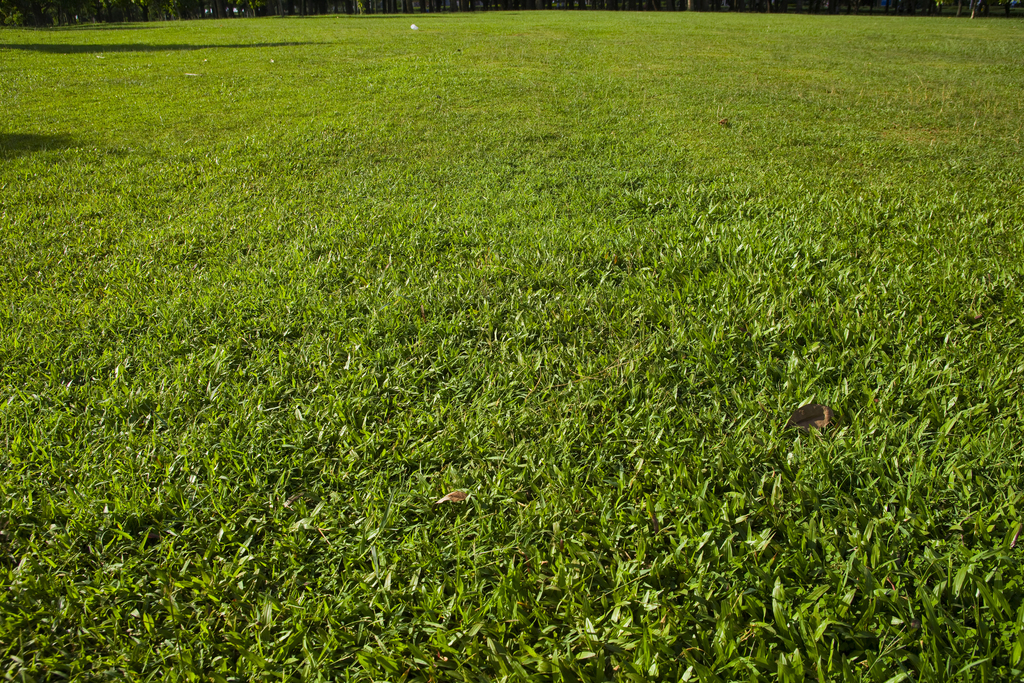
pixel 256 320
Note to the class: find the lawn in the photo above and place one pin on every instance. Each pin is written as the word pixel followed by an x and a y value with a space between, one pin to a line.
pixel 271 288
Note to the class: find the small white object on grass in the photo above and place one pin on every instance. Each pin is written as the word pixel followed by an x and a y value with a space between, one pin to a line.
pixel 271 61
pixel 414 27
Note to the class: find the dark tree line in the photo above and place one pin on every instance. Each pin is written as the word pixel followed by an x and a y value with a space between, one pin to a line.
pixel 64 12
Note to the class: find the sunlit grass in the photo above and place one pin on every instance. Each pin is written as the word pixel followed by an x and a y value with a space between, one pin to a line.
pixel 581 266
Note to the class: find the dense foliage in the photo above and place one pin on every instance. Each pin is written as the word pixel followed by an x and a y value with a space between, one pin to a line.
pixel 271 288
pixel 42 13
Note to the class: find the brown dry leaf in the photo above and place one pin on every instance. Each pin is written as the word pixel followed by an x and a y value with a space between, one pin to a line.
pixel 453 497
pixel 810 416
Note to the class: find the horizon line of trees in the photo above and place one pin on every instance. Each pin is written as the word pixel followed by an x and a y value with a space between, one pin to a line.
pixel 43 13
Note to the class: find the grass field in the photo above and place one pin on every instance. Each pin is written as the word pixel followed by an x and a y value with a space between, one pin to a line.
pixel 270 288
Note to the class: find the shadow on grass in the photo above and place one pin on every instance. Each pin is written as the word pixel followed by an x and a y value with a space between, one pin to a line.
pixel 16 144
pixel 80 28
pixel 132 47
